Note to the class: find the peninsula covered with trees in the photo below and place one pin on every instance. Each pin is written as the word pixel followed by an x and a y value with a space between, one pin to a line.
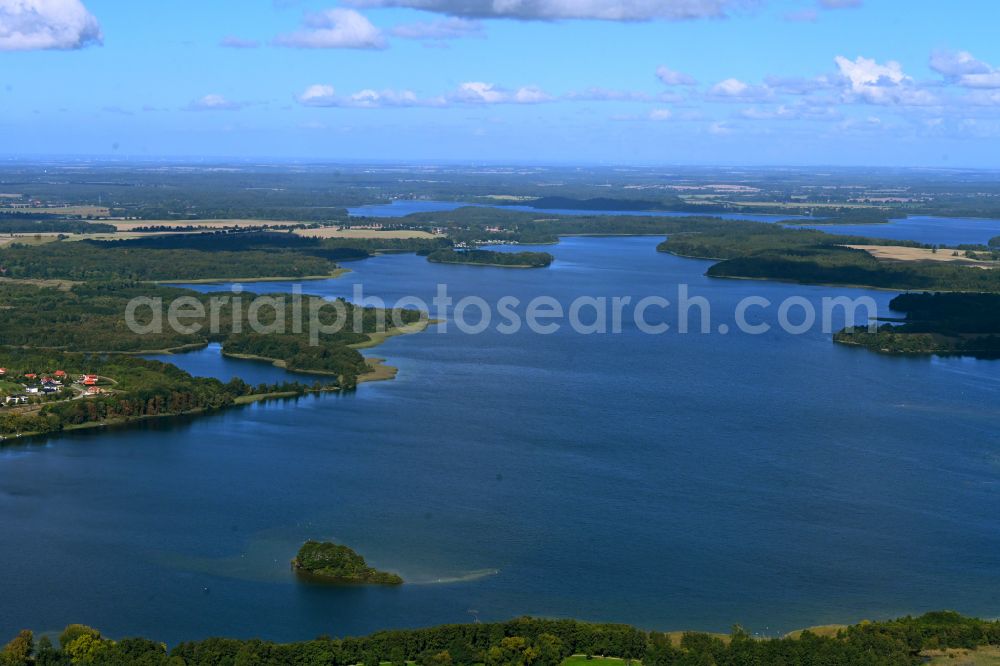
pixel 122 389
pixel 940 323
pixel 78 329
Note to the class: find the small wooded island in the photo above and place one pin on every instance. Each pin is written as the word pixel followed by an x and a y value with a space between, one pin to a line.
pixel 491 258
pixel 334 563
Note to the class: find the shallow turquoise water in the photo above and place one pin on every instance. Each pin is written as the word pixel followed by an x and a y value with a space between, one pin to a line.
pixel 672 481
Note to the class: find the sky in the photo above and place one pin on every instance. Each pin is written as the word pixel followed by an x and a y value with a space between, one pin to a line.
pixel 749 82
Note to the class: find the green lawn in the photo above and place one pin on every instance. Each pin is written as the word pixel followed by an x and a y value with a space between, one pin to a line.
pixel 984 656
pixel 10 388
pixel 581 660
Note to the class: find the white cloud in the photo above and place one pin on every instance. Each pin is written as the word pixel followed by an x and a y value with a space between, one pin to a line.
pixel 860 125
pixel 473 92
pixel 988 80
pixel 531 95
pixel 597 94
pixel 797 111
pixel 839 4
pixel 957 63
pixel 730 88
pixel 863 72
pixel 966 70
pixel 322 95
pixel 318 95
pixel 231 42
pixel 734 90
pixel 29 25
pixel 661 114
pixel 780 112
pixel 448 28
pixel 868 81
pixel 797 86
pixel 554 10
pixel 214 102
pixel 720 128
pixel 478 92
pixel 334 29
pixel 671 77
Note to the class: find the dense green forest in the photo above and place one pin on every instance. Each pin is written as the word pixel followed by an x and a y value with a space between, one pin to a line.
pixel 472 224
pixel 134 388
pixel 40 223
pixel 735 239
pixel 490 258
pixel 89 261
pixel 337 563
pixel 949 323
pixel 90 317
pixel 525 642
pixel 295 353
pixel 844 266
pixel 385 245
pixel 766 251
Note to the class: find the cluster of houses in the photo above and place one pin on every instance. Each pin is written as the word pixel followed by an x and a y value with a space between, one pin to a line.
pixel 35 385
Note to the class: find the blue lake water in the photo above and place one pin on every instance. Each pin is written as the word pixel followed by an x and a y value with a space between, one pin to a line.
pixel 924 229
pixel 403 207
pixel 672 481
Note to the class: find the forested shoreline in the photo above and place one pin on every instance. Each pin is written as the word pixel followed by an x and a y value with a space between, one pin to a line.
pixel 129 389
pixel 935 323
pixel 490 258
pixel 528 641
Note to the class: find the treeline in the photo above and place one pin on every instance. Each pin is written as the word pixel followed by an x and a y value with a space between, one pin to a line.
pixel 734 238
pixel 491 258
pixel 236 240
pixel 138 388
pixel 481 223
pixel 767 251
pixel 845 266
pixel 40 223
pixel 375 245
pixel 526 642
pixel 239 240
pixel 847 215
pixel 91 317
pixel 88 261
pixel 942 323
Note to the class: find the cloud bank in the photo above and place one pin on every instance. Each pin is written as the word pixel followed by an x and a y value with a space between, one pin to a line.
pixel 554 10
pixel 29 25
pixel 334 29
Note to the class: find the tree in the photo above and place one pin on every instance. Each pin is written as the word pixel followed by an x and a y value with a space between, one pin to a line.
pixel 431 658
pixel 19 650
pixel 87 648
pixel 512 651
pixel 550 650
pixel 74 631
